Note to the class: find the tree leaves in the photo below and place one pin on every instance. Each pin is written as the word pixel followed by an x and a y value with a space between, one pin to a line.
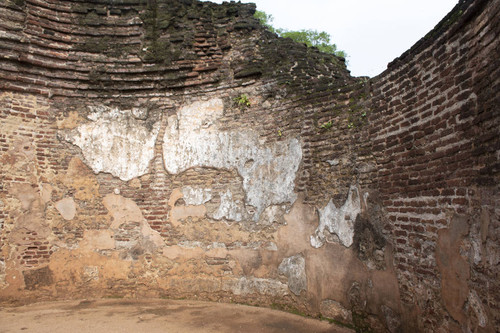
pixel 312 38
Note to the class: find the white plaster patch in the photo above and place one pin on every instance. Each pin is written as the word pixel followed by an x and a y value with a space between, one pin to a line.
pixel 294 268
pixel 229 209
pixel 251 285
pixel 333 162
pixel 2 206
pixel 91 273
pixel 67 208
pixel 271 246
pixel 116 142
pixel 273 214
pixel 191 244
pixel 338 221
pixel 3 274
pixel 193 139
pixel 477 306
pixel 196 196
pixel 216 245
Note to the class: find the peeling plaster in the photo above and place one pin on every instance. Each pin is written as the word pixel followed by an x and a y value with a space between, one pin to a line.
pixel 193 204
pixel 193 139
pixel 251 285
pixel 338 221
pixel 273 214
pixel 229 209
pixel 294 268
pixel 196 196
pixel 476 305
pixel 334 310
pixel 3 274
pixel 129 222
pixel 115 141
pixel 91 273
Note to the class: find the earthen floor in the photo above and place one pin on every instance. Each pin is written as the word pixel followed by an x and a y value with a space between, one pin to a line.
pixel 122 315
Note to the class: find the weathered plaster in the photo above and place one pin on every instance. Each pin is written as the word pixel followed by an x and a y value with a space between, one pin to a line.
pixel 193 199
pixel 426 155
pixel 80 178
pixel 229 209
pixel 96 240
pixel 294 268
pixel 2 274
pixel 251 285
pixel 453 266
pixel 338 221
pixel 85 278
pixel 115 141
pixel 91 273
pixel 26 195
pixel 273 215
pixel 293 237
pixel 128 223
pixel 193 139
pixel 478 308
pixel 196 196
pixel 334 310
pixel 67 208
pixel 31 218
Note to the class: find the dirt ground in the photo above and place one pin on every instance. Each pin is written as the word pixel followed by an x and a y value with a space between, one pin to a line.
pixel 152 316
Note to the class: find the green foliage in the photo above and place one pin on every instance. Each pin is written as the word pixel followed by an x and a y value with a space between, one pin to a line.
pixel 327 125
pixel 312 38
pixel 242 101
pixel 265 19
pixel 358 113
pixel 336 322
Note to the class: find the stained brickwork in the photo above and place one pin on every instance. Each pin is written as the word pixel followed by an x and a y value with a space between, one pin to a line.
pixel 394 207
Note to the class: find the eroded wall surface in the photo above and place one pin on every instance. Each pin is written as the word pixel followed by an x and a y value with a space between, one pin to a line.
pixel 133 166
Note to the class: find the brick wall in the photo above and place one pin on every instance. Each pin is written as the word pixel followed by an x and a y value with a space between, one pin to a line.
pixel 419 143
pixel 434 133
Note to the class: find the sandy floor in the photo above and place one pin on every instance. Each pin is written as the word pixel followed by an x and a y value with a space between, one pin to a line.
pixel 154 316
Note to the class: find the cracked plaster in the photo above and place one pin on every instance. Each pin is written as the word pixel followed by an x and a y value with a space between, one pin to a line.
pixel 338 221
pixel 115 141
pixel 193 139
pixel 294 268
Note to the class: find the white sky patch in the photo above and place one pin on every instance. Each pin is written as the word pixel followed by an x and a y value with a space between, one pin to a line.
pixel 371 32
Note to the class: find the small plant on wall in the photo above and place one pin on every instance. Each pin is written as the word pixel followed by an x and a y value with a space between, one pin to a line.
pixel 327 125
pixel 242 101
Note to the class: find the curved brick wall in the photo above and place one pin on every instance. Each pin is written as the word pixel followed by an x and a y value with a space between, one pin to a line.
pixel 434 132
pixel 133 166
